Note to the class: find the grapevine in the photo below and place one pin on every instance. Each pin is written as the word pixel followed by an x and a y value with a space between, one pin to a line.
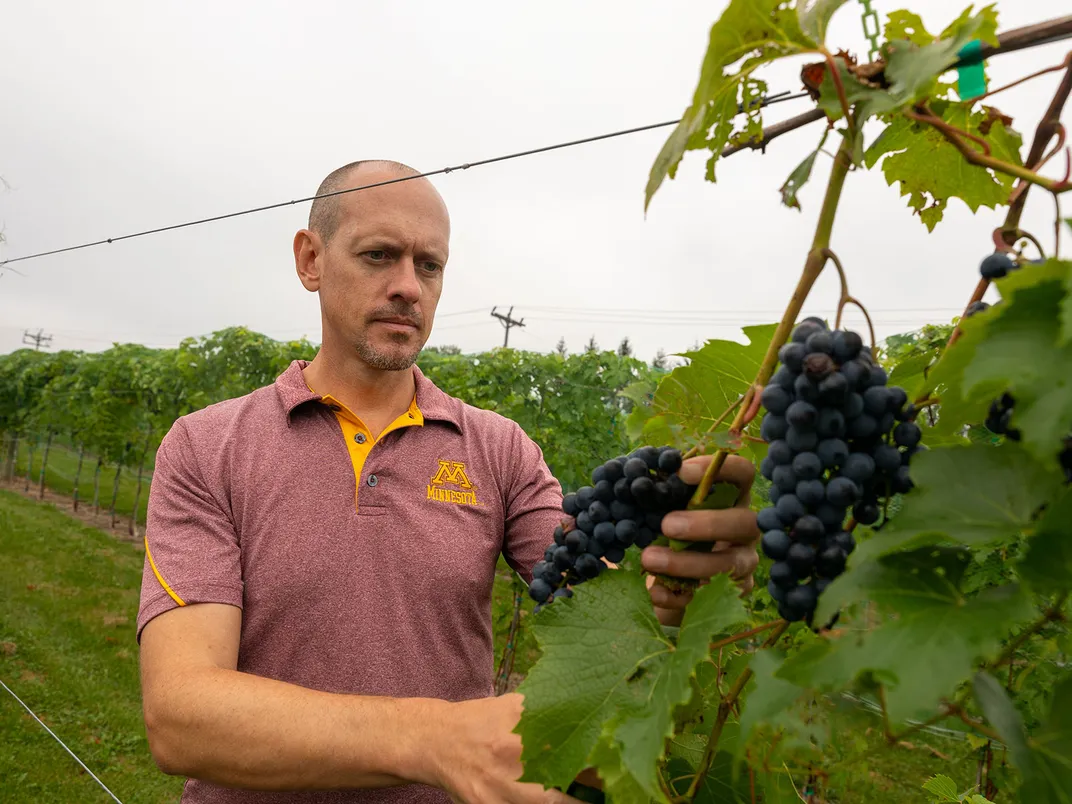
pixel 906 557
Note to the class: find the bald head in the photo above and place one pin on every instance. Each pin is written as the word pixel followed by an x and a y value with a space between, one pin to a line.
pixel 324 213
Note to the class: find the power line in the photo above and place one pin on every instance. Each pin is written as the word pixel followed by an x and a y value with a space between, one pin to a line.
pixel 766 101
pixel 508 322
pixel 36 339
pixel 58 740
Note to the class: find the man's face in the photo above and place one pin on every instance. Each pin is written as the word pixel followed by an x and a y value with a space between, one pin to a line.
pixel 381 273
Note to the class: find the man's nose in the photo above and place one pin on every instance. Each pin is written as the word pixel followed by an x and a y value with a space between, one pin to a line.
pixel 404 282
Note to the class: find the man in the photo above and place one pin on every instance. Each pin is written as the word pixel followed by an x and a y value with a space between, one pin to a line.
pixel 315 607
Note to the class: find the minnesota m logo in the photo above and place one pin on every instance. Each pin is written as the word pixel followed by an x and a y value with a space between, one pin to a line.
pixel 452 473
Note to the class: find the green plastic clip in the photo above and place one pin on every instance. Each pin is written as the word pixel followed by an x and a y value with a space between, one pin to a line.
pixel 971 77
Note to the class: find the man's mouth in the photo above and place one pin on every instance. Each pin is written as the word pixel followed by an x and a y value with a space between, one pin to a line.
pixel 399 324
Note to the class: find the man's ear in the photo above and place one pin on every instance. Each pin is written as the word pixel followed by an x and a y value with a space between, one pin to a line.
pixel 308 247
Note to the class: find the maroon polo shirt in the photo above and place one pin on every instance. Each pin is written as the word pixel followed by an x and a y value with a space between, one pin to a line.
pixel 375 583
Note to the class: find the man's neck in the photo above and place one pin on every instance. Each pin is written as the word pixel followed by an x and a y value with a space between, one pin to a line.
pixel 378 397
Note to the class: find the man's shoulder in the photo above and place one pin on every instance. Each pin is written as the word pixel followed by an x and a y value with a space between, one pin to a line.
pixel 213 423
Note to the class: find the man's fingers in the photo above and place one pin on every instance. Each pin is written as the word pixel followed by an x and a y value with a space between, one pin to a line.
pixel 738 562
pixel 736 470
pixel 666 599
pixel 734 525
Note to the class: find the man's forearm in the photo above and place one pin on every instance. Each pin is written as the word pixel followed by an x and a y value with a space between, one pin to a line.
pixel 239 730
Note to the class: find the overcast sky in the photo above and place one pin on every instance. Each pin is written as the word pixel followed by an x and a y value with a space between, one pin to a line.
pixel 122 116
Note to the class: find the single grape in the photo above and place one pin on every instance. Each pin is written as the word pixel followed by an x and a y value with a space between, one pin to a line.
pixel 645 536
pixel 811 492
pixel 814 319
pixel 774 493
pixel 801 440
pixel 654 520
pixel 565 591
pixel 613 471
pixel 792 356
pixel 886 423
pixel 549 553
pixel 902 481
pixel 599 473
pixel 847 345
pixel 682 492
pixel 563 560
pixel 603 491
pixel 775 544
pixel 789 508
pixel 577 541
pixel 773 427
pixel 650 456
pixel 585 496
pixel 878 376
pixel 588 566
pixel 615 554
pixel 863 426
pixel 976 307
pixel 856 374
pixel 834 389
pixel 802 598
pixel 887 458
pixel 831 516
pixel 787 612
pixel 621 490
pixel 779 452
pixel 898 398
pixel 776 592
pixel 602 537
pixel 598 512
pixel 809 529
pixel 670 461
pixel 781 574
pixel 805 389
pixel 570 506
pixel 643 490
pixel 776 399
pixel 664 498
pixel 768 519
pixel 784 478
pixel 858 467
pixel 820 341
pixel 807 466
pixel 866 513
pixel 819 366
pixel 842 492
pixel 907 434
pixel 766 467
pixel 845 541
pixel 830 562
pixel 539 590
pixel 802 415
pixel 559 536
pixel 801 558
pixel 626 531
pixel 832 452
pixel 831 423
pixel 784 378
pixel 996 265
pixel 853 407
pixel 634 468
pixel 804 330
pixel 585 523
pixel 876 400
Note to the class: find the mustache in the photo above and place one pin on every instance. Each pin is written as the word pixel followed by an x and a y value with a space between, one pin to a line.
pixel 399 312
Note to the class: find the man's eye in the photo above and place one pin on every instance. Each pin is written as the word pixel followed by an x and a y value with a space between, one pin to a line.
pixel 377 255
pixel 432 267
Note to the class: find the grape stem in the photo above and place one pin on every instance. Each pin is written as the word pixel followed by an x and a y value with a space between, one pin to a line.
pixel 980 727
pixel 714 425
pixel 1053 614
pixel 847 298
pixel 813 266
pixel 759 629
pixel 724 707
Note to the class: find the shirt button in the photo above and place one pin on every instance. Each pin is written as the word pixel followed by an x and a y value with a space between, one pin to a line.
pixel 359 438
pixel 372 480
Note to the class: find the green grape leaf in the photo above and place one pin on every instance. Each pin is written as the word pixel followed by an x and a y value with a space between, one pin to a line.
pixel 769 698
pixel 719 785
pixel 749 34
pixel 617 781
pixel 814 16
pixel 898 580
pixel 1021 351
pixel 1050 778
pixel 943 787
pixel 1001 713
pixel 1066 307
pixel 1047 566
pixel 931 170
pixel 902 24
pixel 923 654
pixel 608 673
pixel 800 175
pixel 691 398
pixel 983 26
pixel 1007 486
pixel 910 374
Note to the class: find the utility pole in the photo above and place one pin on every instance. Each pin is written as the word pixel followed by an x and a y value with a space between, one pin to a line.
pixel 36 339
pixel 507 321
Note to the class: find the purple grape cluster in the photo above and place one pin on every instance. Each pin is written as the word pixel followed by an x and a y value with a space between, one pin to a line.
pixel 838 439
pixel 624 506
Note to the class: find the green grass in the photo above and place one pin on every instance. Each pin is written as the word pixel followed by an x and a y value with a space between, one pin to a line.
pixel 67 648
pixel 60 473
pixel 69 599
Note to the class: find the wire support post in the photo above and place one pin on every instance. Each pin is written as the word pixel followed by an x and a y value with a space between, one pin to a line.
pixel 508 323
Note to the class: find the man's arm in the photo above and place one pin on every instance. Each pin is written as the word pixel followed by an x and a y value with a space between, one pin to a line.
pixel 207 720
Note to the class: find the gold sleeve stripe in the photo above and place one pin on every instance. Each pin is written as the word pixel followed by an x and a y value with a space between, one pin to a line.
pixel 160 577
